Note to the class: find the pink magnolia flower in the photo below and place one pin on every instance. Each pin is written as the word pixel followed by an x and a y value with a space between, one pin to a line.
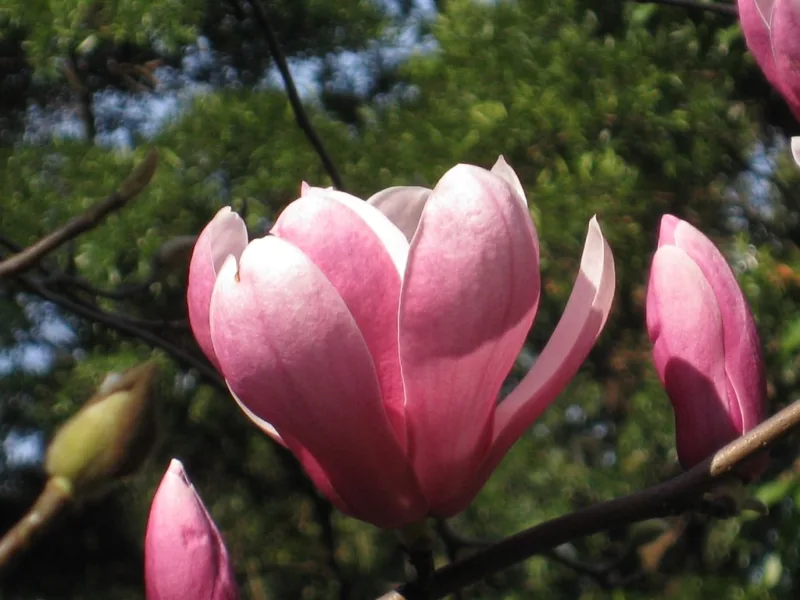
pixel 772 31
pixel 184 555
pixel 372 338
pixel 705 344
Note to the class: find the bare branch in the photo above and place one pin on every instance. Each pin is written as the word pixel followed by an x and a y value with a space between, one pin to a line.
pixel 720 8
pixel 130 188
pixel 122 325
pixel 291 91
pixel 84 96
pixel 668 498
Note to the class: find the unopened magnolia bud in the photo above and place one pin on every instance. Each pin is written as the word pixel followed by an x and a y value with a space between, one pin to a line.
pixel 110 436
pixel 705 345
pixel 184 554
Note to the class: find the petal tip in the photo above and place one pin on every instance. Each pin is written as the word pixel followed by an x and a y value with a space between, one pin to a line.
pixel 176 467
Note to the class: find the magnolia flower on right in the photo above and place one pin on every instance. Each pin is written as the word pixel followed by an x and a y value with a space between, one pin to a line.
pixel 772 32
pixel 705 345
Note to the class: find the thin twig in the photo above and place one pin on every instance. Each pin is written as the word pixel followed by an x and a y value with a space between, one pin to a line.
pixel 720 8
pixel 130 188
pixel 121 293
pixel 665 499
pixel 291 91
pixel 120 324
pixel 603 574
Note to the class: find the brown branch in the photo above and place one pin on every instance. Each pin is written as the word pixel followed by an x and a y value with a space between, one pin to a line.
pixel 665 499
pixel 121 325
pixel 84 95
pixel 604 574
pixel 720 8
pixel 130 188
pixel 291 91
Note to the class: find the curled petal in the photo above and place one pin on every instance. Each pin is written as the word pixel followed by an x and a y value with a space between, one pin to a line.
pixel 403 206
pixel 584 317
pixel 291 351
pixel 185 556
pixel 796 149
pixel 267 428
pixel 225 235
pixel 364 260
pixel 686 327
pixel 469 297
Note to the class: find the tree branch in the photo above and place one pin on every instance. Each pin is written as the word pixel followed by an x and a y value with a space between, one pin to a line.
pixel 720 8
pixel 121 325
pixel 130 188
pixel 84 95
pixel 665 499
pixel 291 91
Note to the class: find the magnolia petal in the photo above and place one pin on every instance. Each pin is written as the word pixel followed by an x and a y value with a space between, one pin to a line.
pixel 260 423
pixel 291 351
pixel 742 346
pixel 765 8
pixel 504 170
pixel 469 297
pixel 785 39
pixel 310 464
pixel 225 235
pixel 403 206
pixel 364 260
pixel 584 317
pixel 796 150
pixel 756 33
pixel 686 327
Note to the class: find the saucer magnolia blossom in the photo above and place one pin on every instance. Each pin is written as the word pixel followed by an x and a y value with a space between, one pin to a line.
pixel 705 344
pixel 372 338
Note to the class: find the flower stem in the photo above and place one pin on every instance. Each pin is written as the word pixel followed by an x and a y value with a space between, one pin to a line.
pixel 55 497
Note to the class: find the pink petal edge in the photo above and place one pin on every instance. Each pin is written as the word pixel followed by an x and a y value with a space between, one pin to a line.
pixel 225 234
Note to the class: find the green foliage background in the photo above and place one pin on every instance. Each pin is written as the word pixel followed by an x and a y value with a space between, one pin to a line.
pixel 624 110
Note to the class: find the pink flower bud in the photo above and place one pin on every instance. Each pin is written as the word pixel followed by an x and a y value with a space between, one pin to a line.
pixel 705 344
pixel 372 338
pixel 772 31
pixel 184 555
